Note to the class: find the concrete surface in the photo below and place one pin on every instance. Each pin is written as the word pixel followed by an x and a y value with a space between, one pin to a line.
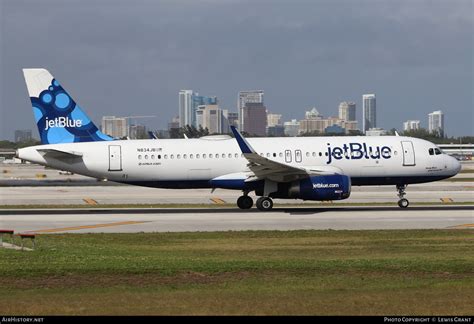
pixel 183 220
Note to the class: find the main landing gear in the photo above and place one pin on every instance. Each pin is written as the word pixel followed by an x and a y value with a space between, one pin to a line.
pixel 263 203
pixel 245 202
pixel 403 202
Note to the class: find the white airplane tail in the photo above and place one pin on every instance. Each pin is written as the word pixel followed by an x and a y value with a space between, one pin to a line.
pixel 58 117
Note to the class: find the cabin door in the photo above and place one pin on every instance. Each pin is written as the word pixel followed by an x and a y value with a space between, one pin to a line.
pixel 408 153
pixel 115 158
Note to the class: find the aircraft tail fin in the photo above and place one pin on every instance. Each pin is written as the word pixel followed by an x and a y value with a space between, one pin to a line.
pixel 58 117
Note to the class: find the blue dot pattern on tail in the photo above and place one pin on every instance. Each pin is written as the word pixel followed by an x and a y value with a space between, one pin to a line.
pixel 61 120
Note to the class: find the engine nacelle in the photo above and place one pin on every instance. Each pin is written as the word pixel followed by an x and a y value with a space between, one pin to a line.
pixel 325 187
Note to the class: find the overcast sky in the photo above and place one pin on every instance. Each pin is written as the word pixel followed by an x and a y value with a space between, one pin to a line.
pixel 132 57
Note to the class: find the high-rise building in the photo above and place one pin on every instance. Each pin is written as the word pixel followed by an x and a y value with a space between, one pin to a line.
pixel 186 104
pixel 137 132
pixel 23 135
pixel 369 112
pixel 251 96
pixel 212 118
pixel 347 111
pixel 315 122
pixel 233 119
pixel 116 127
pixel 273 119
pixel 291 128
pixel 410 125
pixel 436 122
pixel 254 119
pixel 189 101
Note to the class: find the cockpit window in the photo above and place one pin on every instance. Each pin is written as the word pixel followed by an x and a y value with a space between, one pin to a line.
pixel 437 151
pixel 431 151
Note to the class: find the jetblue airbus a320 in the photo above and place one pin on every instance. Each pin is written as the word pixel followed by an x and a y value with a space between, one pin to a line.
pixel 307 168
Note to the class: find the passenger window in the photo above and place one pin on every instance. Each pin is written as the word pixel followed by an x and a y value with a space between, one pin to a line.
pixel 437 151
pixel 431 151
pixel 191 156
pixel 159 157
pixel 210 156
pixel 146 157
pixel 197 156
pixel 307 154
pixel 172 156
pixel 204 156
pixel 314 154
pixel 178 156
pixel 139 157
pixel 280 155
pixel 274 155
pixel 184 156
pixel 166 156
pixel 217 156
pixel 236 155
pixel 223 155
pixel 153 157
pixel 320 154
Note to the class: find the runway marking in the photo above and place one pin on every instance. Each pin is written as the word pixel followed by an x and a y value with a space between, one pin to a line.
pixel 90 201
pixel 446 200
pixel 463 226
pixel 218 201
pixel 76 228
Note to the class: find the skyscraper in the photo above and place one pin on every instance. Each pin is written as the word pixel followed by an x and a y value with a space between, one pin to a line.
pixel 369 112
pixel 116 127
pixel 251 96
pixel 185 107
pixel 273 119
pixel 254 119
pixel 436 122
pixel 189 101
pixel 347 111
pixel 212 118
pixel 411 125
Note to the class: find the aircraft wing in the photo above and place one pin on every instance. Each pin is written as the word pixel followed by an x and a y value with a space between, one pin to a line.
pixel 58 154
pixel 264 168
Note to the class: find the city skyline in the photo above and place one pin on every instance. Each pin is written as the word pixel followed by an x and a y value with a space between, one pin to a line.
pixel 134 58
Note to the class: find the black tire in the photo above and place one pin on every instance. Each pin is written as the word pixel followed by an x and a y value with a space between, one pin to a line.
pixel 264 204
pixel 245 202
pixel 403 203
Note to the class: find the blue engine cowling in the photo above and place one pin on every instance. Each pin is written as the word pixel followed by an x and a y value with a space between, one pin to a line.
pixel 325 187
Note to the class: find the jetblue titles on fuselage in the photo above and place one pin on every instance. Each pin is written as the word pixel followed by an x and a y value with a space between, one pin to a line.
pixel 357 151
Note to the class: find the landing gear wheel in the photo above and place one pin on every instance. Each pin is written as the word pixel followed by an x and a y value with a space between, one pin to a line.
pixel 403 203
pixel 245 202
pixel 264 203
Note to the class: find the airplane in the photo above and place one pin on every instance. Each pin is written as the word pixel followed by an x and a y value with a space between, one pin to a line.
pixel 306 168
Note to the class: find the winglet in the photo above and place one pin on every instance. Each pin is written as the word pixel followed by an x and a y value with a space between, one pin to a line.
pixel 243 144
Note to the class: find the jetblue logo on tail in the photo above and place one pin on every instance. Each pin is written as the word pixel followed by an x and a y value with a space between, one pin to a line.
pixel 357 151
pixel 62 122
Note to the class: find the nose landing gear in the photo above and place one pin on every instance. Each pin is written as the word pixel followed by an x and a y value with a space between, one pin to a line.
pixel 403 202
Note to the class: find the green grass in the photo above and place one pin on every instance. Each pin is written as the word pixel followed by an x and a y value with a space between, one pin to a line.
pixel 257 272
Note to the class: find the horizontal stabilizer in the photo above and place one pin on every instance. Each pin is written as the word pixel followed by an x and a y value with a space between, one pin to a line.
pixel 58 154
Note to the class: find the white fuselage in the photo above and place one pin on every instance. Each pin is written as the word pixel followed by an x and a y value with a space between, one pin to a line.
pixel 192 163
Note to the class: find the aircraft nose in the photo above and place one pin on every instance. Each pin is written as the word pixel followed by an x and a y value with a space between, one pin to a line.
pixel 455 165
